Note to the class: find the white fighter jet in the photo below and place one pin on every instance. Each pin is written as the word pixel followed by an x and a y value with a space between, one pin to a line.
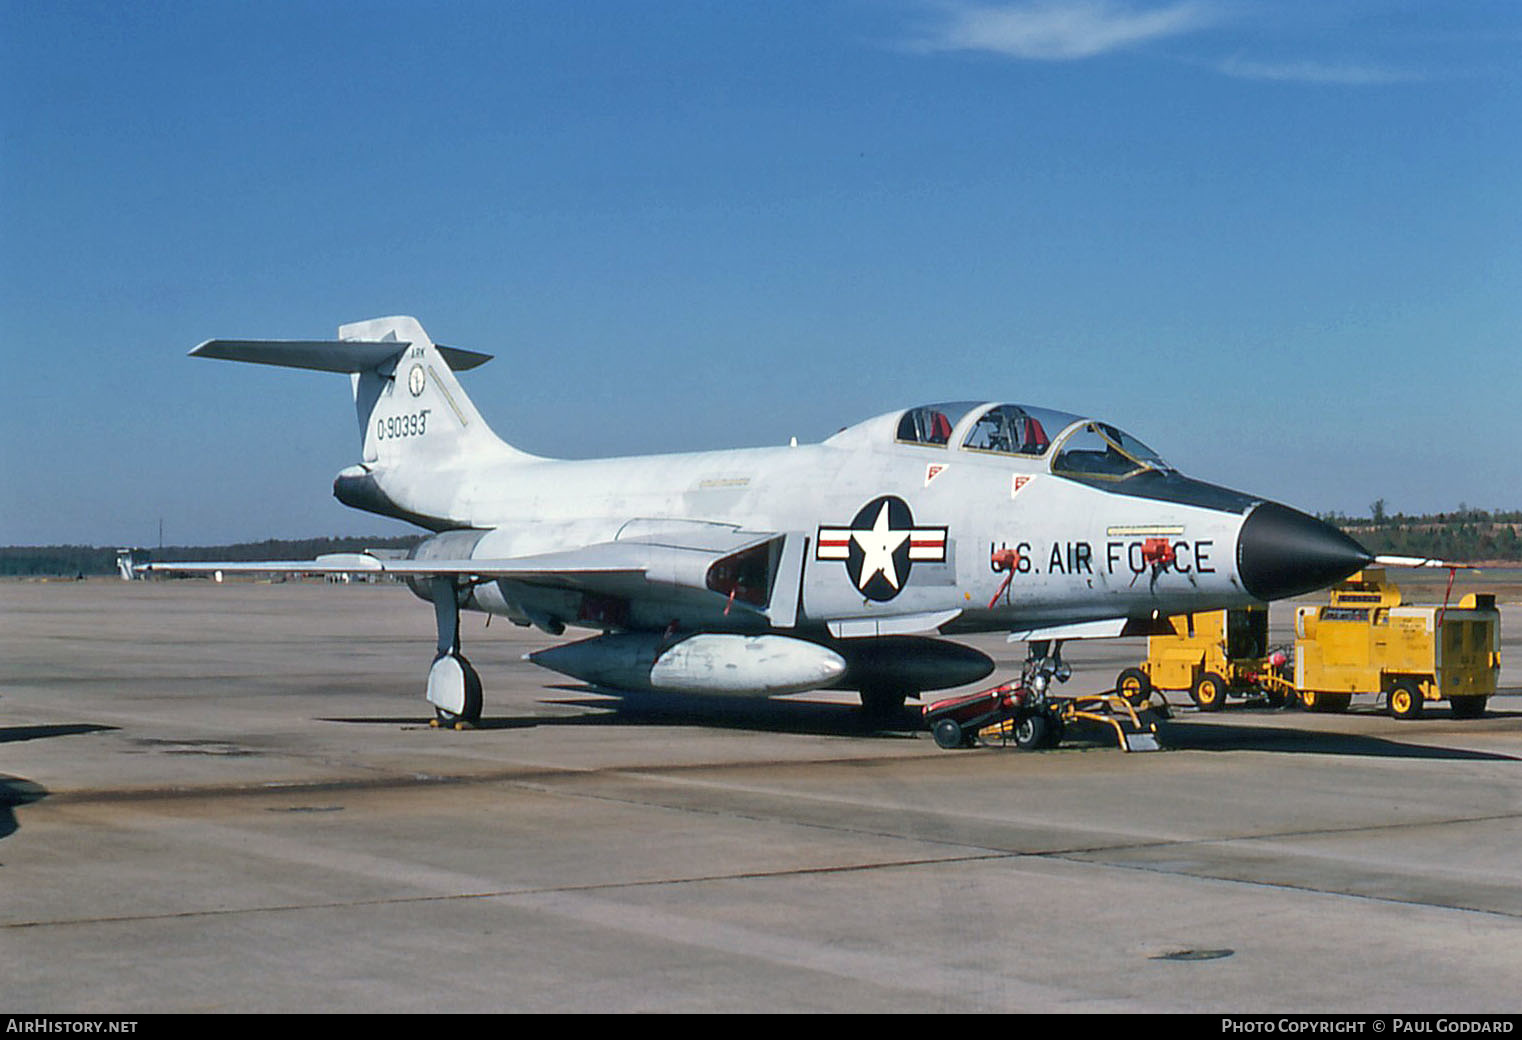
pixel 765 571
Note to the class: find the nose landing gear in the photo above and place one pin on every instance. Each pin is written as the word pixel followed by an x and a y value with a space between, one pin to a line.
pixel 1021 712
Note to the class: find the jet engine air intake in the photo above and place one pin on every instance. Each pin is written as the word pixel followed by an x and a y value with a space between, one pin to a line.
pixel 746 575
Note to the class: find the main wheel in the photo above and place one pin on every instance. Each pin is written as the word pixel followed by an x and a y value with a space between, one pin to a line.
pixel 1134 686
pixel 454 690
pixel 1209 692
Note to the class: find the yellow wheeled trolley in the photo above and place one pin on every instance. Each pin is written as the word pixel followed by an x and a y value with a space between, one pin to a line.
pixel 1367 640
pixel 1211 655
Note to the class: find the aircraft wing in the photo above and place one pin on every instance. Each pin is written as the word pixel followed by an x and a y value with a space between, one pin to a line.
pixel 582 561
pixel 624 567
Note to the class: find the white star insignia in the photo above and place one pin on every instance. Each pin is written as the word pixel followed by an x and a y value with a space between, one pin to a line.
pixel 881 548
pixel 878 546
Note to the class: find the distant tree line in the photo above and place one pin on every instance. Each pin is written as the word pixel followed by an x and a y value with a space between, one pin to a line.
pixel 1465 535
pixel 73 560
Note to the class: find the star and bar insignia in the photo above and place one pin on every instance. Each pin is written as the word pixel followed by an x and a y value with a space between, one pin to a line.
pixel 881 546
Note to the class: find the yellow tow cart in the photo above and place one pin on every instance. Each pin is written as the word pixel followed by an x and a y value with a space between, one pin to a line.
pixel 1369 640
pixel 1210 655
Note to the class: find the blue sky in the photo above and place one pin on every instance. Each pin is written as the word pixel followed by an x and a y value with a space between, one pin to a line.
pixel 1280 242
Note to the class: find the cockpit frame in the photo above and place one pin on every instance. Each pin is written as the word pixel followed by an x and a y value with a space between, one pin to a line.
pixel 1080 448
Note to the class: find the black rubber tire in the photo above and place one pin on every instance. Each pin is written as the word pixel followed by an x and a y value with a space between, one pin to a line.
pixel 1054 731
pixel 1209 692
pixel 1405 699
pixel 471 714
pixel 1315 700
pixel 1032 731
pixel 1134 685
pixel 948 735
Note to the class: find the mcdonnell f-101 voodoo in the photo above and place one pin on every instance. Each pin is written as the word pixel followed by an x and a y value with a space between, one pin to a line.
pixel 764 571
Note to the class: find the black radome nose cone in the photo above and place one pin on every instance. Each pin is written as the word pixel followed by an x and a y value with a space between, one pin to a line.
pixel 1283 552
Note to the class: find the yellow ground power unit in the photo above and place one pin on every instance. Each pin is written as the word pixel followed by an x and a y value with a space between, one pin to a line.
pixel 1368 641
pixel 1212 655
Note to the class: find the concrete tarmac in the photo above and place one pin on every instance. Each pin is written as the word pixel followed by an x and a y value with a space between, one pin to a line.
pixel 228 798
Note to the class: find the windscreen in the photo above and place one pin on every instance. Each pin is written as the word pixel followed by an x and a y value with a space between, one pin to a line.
pixel 1100 450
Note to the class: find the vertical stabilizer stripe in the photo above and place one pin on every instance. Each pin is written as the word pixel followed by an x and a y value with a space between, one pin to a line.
pixel 440 386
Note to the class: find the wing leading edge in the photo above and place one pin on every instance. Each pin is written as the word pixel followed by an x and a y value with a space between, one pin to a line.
pixel 617 568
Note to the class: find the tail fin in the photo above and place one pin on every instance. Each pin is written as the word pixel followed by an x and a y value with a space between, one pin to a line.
pixel 416 424
pixel 410 406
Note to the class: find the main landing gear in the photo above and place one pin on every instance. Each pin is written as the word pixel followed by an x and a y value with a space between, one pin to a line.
pixel 454 688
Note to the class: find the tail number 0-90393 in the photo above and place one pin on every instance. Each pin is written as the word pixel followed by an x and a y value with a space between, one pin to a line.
pixel 414 424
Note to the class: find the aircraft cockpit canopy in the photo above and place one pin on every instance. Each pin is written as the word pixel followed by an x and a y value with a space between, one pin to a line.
pixel 1001 429
pixel 1085 448
pixel 1012 429
pixel 1097 450
pixel 929 423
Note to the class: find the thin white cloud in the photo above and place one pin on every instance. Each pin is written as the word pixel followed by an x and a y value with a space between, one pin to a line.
pixel 1345 74
pixel 1051 30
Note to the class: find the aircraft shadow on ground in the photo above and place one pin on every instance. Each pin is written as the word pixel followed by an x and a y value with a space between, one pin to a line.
pixel 16 791
pixel 504 722
pixel 9 734
pixel 1222 736
pixel 603 707
pixel 820 718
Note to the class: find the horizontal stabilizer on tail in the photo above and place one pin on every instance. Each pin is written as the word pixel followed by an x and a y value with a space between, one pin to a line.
pixel 318 355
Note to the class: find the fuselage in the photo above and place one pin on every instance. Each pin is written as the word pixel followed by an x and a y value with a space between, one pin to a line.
pixel 774 570
pixel 908 535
